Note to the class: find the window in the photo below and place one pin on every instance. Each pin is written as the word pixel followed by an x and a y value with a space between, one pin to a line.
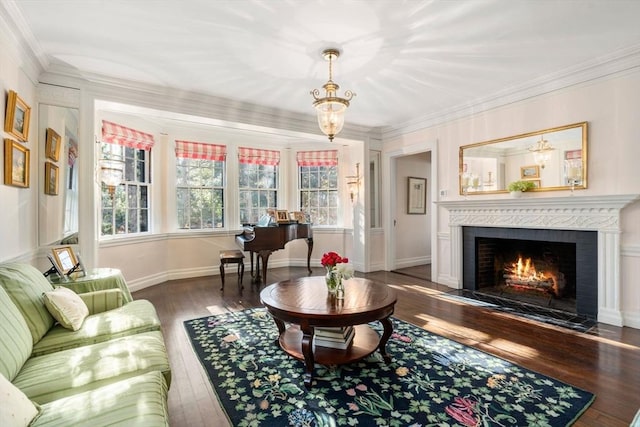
pixel 126 209
pixel 258 183
pixel 200 185
pixel 318 185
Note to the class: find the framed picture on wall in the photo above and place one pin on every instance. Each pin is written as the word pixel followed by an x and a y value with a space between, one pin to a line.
pixel 50 179
pixel 52 146
pixel 16 164
pixel 416 195
pixel 529 172
pixel 17 117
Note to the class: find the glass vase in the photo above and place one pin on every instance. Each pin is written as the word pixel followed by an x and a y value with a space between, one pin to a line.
pixel 334 281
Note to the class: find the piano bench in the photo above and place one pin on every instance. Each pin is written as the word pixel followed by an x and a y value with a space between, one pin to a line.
pixel 232 256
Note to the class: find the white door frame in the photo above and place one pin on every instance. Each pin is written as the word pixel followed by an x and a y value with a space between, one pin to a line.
pixel 389 170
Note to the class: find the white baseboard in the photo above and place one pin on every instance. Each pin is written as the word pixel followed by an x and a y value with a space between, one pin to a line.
pixel 412 262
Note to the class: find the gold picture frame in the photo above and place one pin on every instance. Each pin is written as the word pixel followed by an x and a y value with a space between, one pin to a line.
pixel 282 217
pixel 65 259
pixel 529 172
pixel 50 179
pixel 53 144
pixel 16 164
pixel 17 117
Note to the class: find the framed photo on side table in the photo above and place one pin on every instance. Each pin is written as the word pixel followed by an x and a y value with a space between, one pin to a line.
pixel 417 195
pixel 50 179
pixel 52 146
pixel 16 164
pixel 66 260
pixel 17 117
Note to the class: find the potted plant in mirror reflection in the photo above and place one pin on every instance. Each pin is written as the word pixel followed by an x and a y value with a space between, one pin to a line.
pixel 516 188
pixel 338 269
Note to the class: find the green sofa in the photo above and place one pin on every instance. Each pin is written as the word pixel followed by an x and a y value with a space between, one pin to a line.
pixel 112 370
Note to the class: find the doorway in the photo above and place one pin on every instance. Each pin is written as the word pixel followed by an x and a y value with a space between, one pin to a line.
pixel 411 244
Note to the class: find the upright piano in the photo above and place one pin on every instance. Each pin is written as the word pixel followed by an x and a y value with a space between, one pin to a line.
pixel 263 241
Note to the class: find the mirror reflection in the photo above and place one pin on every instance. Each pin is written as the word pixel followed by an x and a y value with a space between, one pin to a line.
pixel 550 159
pixel 58 194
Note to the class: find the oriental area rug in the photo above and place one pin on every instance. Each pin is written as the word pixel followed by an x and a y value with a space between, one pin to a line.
pixel 431 381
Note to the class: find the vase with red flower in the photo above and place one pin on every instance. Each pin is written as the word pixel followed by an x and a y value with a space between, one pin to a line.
pixel 338 268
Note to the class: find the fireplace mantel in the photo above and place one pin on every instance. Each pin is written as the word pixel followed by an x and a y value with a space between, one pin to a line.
pixel 596 213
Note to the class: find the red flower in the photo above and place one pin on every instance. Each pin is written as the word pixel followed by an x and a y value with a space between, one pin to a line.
pixel 330 259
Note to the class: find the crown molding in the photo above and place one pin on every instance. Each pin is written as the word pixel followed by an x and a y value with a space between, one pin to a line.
pixel 618 62
pixel 21 42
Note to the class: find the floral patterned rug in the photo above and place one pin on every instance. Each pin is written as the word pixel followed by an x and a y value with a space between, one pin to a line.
pixel 431 381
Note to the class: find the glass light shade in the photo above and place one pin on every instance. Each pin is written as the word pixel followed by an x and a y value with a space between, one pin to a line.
pixel 542 157
pixel 331 118
pixel 111 172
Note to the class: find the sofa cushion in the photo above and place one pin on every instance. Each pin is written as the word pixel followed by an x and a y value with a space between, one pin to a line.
pixel 25 285
pixel 64 373
pixel 136 401
pixel 133 318
pixel 15 338
pixel 66 307
pixel 16 409
pixel 104 300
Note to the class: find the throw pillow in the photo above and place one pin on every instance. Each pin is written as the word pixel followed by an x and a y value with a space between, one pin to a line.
pixel 66 307
pixel 16 409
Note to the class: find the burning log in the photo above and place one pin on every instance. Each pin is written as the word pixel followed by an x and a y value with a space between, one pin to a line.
pixel 523 275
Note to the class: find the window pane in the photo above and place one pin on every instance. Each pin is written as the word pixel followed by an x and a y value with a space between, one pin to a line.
pixel 195 201
pixel 318 189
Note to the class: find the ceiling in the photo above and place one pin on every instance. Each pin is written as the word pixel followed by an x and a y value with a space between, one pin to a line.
pixel 404 59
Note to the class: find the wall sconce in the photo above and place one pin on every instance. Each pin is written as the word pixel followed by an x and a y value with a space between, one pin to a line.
pixel 111 173
pixel 353 183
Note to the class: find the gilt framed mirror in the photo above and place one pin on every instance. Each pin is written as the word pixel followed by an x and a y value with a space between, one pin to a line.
pixel 555 158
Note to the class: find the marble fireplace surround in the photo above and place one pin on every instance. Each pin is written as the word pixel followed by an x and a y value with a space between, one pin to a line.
pixel 589 213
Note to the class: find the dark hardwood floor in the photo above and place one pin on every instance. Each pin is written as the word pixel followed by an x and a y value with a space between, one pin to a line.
pixel 605 362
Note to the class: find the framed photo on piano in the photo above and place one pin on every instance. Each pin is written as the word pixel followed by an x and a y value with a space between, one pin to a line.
pixel 282 217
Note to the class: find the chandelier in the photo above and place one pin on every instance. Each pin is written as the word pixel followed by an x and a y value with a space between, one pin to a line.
pixel 541 151
pixel 331 108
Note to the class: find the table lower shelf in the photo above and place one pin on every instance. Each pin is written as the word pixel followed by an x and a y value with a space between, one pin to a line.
pixel 365 342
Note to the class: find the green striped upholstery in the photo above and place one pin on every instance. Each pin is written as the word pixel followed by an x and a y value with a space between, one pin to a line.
pixel 133 318
pixel 15 338
pixel 64 373
pixel 101 301
pixel 25 285
pixel 135 402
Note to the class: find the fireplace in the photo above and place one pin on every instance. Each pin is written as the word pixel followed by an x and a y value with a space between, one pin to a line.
pixel 598 215
pixel 551 268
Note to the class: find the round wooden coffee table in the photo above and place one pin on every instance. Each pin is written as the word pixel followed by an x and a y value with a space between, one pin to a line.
pixel 305 304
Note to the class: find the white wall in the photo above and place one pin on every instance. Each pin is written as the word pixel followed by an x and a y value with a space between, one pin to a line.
pixel 610 106
pixel 18 206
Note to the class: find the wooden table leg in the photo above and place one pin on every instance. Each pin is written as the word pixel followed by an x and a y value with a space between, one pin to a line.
pixel 388 330
pixel 307 351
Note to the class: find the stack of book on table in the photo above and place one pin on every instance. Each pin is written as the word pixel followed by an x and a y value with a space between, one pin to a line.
pixel 339 337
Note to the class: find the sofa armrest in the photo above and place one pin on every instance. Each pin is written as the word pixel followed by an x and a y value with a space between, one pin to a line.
pixel 101 301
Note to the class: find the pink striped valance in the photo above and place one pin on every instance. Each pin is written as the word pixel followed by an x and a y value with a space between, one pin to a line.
pixel 258 157
pixel 114 133
pixel 200 150
pixel 317 158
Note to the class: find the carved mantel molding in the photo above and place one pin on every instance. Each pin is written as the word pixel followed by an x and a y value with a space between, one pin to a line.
pixel 601 213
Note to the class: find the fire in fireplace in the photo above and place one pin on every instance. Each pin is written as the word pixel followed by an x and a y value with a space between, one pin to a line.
pixel 522 274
